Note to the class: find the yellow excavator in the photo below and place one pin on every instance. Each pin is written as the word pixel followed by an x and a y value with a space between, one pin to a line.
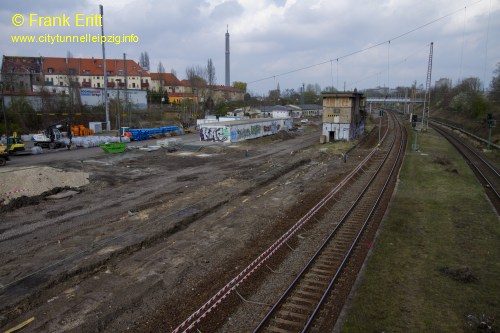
pixel 4 156
pixel 14 145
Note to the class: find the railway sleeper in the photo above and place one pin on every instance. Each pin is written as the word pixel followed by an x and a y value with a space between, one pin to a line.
pixel 275 329
pixel 332 266
pixel 283 322
pixel 332 254
pixel 345 238
pixel 320 273
pixel 314 286
pixel 298 299
pixel 309 292
pixel 296 307
pixel 285 314
pixel 317 277
pixel 340 243
pixel 330 260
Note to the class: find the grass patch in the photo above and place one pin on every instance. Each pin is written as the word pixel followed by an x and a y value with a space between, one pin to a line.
pixel 436 265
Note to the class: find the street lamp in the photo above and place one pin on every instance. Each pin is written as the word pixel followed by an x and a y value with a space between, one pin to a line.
pixel 118 81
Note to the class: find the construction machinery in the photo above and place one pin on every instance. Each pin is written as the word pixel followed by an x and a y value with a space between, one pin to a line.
pixel 15 145
pixel 52 137
pixel 4 156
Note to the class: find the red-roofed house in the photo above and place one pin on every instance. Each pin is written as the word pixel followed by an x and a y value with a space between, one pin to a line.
pixel 20 73
pixel 166 82
pixel 89 73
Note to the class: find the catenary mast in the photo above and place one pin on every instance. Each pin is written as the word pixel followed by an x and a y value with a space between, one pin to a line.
pixel 427 97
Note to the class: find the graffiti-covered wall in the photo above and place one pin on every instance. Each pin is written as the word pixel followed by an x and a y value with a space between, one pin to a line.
pixel 234 131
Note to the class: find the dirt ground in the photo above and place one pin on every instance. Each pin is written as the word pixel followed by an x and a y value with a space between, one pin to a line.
pixel 154 234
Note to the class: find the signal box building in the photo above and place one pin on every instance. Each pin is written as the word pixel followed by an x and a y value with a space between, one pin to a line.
pixel 343 115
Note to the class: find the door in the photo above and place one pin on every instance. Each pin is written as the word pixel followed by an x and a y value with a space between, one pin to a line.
pixel 331 136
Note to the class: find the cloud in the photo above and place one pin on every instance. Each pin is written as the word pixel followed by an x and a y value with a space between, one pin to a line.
pixel 227 10
pixel 273 37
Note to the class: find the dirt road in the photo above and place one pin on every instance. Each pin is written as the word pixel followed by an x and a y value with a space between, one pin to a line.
pixel 151 229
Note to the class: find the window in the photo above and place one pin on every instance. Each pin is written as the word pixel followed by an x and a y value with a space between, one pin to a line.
pixel 50 70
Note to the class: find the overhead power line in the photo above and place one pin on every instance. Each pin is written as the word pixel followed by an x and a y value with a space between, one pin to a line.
pixel 367 48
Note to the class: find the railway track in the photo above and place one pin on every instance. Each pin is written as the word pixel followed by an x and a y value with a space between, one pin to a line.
pixel 486 171
pixel 297 308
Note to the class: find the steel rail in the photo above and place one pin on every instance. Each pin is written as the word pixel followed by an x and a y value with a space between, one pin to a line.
pixel 196 317
pixel 458 144
pixel 372 211
pixel 327 240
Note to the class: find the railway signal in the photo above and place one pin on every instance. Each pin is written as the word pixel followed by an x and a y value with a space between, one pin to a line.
pixel 491 124
pixel 414 120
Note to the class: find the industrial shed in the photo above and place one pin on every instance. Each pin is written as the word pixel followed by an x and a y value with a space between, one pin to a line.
pixel 240 130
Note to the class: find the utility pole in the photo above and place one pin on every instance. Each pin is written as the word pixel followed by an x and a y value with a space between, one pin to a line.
pixel 126 87
pixel 106 104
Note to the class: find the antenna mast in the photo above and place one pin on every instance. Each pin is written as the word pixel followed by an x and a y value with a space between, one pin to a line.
pixel 427 97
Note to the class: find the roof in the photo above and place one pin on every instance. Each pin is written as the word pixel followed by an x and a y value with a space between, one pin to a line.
pixel 353 94
pixel 311 107
pixel 91 66
pixel 275 108
pixel 21 65
pixel 168 78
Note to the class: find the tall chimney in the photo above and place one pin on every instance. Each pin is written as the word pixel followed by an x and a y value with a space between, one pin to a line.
pixel 228 81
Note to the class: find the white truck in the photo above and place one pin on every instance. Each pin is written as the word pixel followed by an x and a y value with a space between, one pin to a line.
pixel 52 138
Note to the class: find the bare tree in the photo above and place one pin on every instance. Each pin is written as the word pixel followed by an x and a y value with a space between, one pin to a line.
pixel 144 60
pixel 211 79
pixel 161 68
pixel 196 76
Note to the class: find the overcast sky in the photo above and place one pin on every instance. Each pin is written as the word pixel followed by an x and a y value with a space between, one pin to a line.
pixel 271 38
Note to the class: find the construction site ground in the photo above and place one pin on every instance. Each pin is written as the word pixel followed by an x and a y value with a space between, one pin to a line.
pixel 138 241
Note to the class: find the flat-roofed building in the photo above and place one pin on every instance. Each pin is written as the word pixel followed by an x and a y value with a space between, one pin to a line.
pixel 343 115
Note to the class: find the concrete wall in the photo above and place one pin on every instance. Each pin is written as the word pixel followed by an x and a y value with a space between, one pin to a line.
pixel 95 96
pixel 281 114
pixel 235 131
pixel 336 132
